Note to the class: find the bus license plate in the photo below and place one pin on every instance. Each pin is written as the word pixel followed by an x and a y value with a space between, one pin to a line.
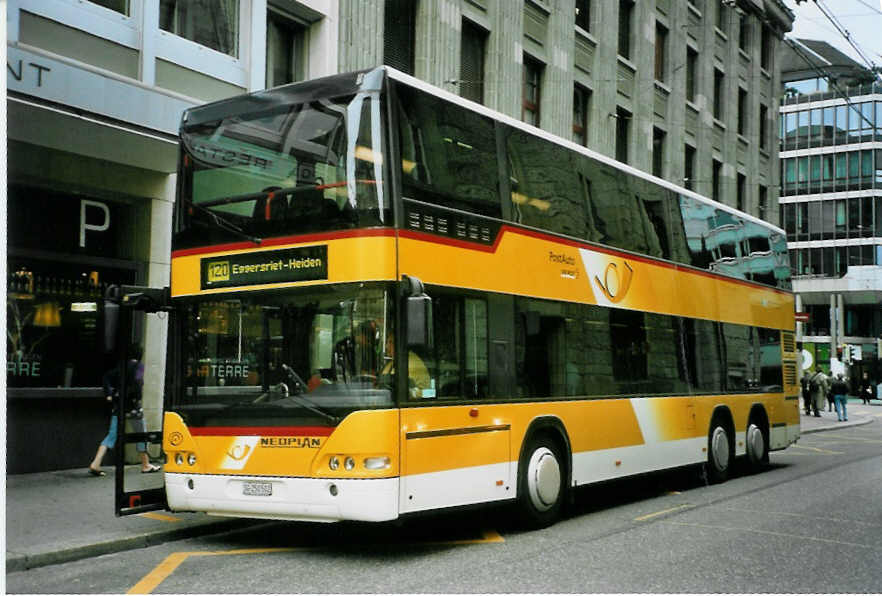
pixel 257 489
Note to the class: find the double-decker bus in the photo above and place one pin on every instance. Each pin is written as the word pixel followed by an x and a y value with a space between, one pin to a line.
pixel 388 300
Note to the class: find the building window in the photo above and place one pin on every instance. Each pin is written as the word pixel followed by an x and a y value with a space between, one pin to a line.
pixel 762 203
pixel 583 14
pixel 742 111
pixel 626 15
pixel 716 173
pixel 623 122
pixel 658 151
pixel 719 87
pixel 764 128
pixel 689 167
pixel 120 6
pixel 766 49
pixel 285 50
pixel 471 68
pixel 741 192
pixel 210 23
pixel 743 31
pixel 661 45
pixel 532 91
pixel 722 13
pixel 691 74
pixel 399 36
pixel 581 109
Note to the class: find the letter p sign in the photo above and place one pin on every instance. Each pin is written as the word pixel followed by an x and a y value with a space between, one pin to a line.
pixel 94 227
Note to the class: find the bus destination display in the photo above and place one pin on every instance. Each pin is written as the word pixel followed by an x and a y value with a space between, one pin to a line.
pixel 278 266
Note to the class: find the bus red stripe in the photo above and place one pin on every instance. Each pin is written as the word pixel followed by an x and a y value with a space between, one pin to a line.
pixel 261 431
pixel 283 240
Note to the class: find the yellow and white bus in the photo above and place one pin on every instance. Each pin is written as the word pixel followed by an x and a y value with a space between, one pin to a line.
pixel 561 318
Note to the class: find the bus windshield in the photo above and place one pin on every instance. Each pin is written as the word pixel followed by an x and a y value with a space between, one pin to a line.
pixel 286 357
pixel 279 168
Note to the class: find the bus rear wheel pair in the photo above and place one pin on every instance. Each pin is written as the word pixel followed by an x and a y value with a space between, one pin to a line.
pixel 721 447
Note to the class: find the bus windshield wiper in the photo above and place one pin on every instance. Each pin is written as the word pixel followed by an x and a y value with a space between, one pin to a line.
pixel 297 395
pixel 225 224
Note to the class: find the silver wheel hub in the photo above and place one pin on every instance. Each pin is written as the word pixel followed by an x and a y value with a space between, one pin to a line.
pixel 543 479
pixel 756 443
pixel 720 448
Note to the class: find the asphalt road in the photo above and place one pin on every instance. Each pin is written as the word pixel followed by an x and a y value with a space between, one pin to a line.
pixel 811 523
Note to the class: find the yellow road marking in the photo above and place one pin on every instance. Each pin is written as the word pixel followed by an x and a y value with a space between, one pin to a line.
pixel 160 516
pixel 657 513
pixel 779 534
pixel 816 449
pixel 162 571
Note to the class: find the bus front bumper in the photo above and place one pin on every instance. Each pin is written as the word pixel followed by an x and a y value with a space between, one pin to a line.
pixel 301 499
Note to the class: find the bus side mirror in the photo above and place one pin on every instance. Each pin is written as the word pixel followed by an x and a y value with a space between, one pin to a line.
pixel 419 322
pixel 418 313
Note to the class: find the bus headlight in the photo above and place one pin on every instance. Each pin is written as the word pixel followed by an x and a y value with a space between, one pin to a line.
pixel 377 463
pixel 349 463
pixel 191 459
pixel 179 459
pixel 334 463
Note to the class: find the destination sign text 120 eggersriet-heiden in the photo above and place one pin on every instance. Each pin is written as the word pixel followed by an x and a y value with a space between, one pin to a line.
pixel 277 266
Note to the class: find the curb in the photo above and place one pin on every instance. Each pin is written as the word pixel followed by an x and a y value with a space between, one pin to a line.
pixel 849 424
pixel 30 561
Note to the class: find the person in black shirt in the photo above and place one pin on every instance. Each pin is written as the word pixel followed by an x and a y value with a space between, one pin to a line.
pixel 132 410
pixel 840 396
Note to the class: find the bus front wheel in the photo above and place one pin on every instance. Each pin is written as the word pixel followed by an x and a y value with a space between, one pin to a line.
pixel 541 478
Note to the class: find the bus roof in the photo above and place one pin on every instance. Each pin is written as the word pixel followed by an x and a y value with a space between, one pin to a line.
pixel 353 82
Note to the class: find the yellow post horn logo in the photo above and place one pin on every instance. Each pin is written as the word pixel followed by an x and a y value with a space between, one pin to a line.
pixel 614 285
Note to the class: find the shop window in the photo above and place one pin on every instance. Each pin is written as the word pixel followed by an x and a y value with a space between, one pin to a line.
pixel 210 23
pixel 54 334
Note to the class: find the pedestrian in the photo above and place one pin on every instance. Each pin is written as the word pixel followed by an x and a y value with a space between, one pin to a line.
pixel 131 408
pixel 866 389
pixel 819 384
pixel 840 392
pixel 830 400
pixel 806 396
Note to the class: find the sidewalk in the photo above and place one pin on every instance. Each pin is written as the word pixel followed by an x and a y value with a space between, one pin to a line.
pixel 56 517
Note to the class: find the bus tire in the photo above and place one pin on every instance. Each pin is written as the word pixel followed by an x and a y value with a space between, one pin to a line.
pixel 720 451
pixel 757 443
pixel 542 485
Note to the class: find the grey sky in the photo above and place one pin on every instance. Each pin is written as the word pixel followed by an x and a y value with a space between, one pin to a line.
pixel 861 18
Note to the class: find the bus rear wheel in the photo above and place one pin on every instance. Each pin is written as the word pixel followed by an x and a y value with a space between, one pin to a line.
pixel 719 452
pixel 541 479
pixel 757 446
